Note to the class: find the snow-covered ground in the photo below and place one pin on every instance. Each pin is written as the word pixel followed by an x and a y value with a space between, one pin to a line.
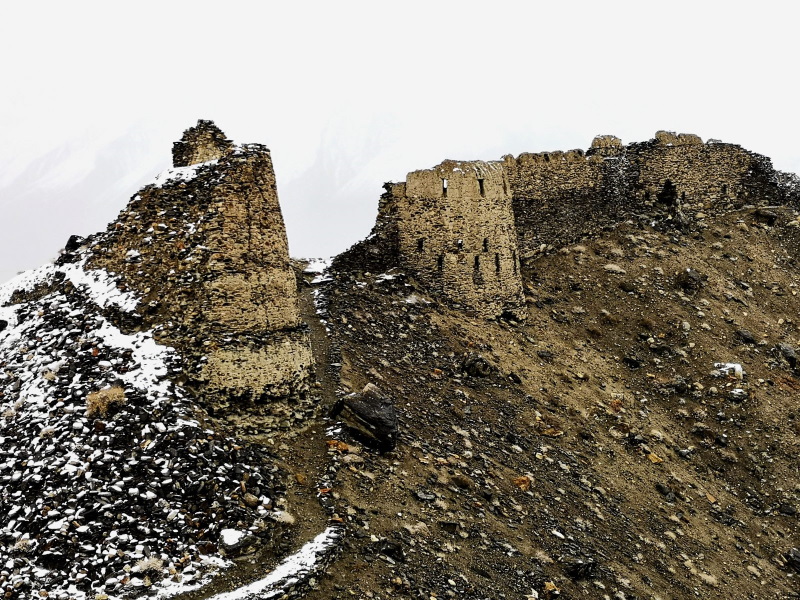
pixel 318 267
pixel 176 174
pixel 289 572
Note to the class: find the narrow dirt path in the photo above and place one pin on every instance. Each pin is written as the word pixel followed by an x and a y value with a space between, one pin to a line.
pixel 304 457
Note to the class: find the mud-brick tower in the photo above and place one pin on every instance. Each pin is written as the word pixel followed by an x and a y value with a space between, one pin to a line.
pixel 206 247
pixel 456 235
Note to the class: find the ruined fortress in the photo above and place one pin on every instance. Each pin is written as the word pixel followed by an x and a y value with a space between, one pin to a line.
pixel 205 245
pixel 464 228
pixel 206 249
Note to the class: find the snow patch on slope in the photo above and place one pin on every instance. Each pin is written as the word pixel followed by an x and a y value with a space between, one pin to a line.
pixel 177 174
pixel 289 572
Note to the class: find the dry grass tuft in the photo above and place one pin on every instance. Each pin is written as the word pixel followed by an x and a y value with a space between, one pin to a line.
pixel 22 546
pixel 149 565
pixel 100 402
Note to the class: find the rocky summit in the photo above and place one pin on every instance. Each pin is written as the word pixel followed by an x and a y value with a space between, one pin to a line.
pixel 558 375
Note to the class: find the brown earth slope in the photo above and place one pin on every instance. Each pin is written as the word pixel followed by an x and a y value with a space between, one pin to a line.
pixel 593 451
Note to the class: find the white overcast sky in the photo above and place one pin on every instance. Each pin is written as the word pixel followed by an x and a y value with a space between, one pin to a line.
pixel 348 95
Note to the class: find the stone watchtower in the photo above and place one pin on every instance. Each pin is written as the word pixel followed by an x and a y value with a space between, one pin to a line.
pixel 456 235
pixel 206 247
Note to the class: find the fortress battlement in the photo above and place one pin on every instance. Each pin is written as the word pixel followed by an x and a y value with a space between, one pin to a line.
pixel 463 227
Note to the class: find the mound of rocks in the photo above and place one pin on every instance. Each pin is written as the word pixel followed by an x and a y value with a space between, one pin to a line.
pixel 109 483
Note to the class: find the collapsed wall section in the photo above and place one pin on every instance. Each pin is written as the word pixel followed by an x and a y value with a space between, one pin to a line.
pixel 201 143
pixel 455 232
pixel 206 247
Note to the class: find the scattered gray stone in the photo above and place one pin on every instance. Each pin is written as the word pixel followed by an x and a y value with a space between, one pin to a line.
pixel 247 544
pixel 666 491
pixel 766 216
pixel 788 353
pixel 792 558
pixel 425 495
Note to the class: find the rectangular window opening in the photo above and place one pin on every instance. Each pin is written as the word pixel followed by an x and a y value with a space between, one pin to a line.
pixel 444 188
pixel 481 188
pixel 420 244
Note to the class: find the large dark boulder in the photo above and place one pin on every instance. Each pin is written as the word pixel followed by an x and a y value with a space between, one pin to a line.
pixel 73 243
pixel 788 353
pixel 372 413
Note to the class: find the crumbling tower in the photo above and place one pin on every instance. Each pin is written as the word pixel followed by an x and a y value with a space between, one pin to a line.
pixel 206 247
pixel 456 235
pixel 201 143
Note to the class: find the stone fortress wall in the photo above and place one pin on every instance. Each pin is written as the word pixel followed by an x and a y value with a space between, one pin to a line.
pixel 555 193
pixel 559 196
pixel 553 198
pixel 711 174
pixel 456 231
pixel 207 250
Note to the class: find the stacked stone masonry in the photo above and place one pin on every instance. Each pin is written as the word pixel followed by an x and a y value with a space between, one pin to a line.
pixel 462 227
pixel 208 252
pixel 202 143
pixel 456 232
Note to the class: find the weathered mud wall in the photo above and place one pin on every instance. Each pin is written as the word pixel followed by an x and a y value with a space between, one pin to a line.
pixel 456 233
pixel 207 249
pixel 201 143
pixel 713 174
pixel 562 195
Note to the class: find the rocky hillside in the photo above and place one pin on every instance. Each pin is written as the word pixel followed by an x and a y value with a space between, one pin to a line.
pixel 180 418
pixel 635 437
pixel 110 479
